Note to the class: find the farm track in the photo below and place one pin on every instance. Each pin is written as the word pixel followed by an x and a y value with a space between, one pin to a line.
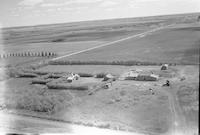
pixel 113 42
pixel 179 126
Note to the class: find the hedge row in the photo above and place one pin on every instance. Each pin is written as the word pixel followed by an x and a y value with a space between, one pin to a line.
pixel 125 63
pixel 66 86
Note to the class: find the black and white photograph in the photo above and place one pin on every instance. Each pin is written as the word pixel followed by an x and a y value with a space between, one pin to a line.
pixel 99 67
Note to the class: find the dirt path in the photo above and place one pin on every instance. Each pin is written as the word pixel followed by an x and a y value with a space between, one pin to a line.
pixel 179 123
pixel 113 42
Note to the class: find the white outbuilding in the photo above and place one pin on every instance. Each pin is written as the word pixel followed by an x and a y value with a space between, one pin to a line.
pixel 140 75
pixel 164 67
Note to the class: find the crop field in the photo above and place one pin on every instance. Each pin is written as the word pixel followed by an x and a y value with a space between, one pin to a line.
pixel 100 55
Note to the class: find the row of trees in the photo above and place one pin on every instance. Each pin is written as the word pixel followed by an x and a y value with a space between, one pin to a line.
pixel 29 54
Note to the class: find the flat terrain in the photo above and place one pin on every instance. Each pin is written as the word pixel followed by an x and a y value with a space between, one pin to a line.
pixel 60 48
pixel 124 105
pixel 172 45
pixel 72 37
pixel 92 69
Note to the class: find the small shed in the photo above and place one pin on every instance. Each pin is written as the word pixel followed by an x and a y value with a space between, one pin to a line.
pixel 72 77
pixel 131 75
pixel 164 67
pixel 108 77
pixel 69 79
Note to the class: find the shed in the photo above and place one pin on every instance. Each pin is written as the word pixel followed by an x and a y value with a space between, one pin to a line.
pixel 131 75
pixel 108 76
pixel 69 79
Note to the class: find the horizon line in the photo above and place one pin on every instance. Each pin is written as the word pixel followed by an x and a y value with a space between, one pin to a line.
pixel 95 20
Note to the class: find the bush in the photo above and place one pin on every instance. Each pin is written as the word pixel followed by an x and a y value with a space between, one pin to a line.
pixel 58 40
pixel 125 63
pixel 66 86
pixel 36 72
pixel 100 75
pixel 35 66
pixel 28 75
pixel 40 101
pixel 40 81
pixel 85 75
pixel 57 75
pixel 12 72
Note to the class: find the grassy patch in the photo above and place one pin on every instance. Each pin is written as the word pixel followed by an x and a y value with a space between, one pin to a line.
pixel 67 86
pixel 40 81
pixel 85 75
pixel 28 75
pixel 38 100
pixel 188 97
pixel 100 75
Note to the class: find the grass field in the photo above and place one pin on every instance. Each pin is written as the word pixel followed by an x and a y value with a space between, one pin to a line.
pixel 72 37
pixel 59 48
pixel 173 45
pixel 92 69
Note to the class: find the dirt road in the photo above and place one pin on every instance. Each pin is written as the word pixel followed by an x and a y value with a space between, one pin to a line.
pixel 179 126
